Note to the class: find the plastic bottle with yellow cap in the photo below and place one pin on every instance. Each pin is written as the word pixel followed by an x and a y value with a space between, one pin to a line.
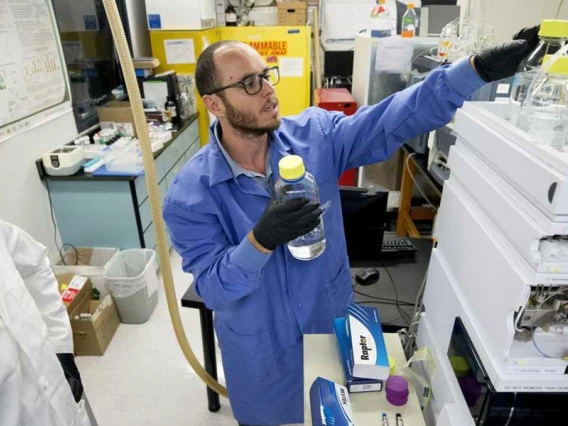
pixel 544 111
pixel 409 22
pixel 553 35
pixel 295 182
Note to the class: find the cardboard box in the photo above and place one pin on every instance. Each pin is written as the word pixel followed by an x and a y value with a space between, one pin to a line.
pixel 86 292
pixel 117 114
pixel 292 12
pixel 92 335
pixel 370 358
pixel 146 63
pixel 330 404
pixel 353 384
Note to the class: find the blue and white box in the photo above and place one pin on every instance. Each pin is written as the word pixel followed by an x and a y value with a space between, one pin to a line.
pixel 353 384
pixel 330 404
pixel 370 358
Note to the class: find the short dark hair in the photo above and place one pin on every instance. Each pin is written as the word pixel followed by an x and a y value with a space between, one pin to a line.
pixel 206 76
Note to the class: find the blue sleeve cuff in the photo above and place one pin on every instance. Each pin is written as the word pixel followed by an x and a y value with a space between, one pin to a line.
pixel 463 78
pixel 248 258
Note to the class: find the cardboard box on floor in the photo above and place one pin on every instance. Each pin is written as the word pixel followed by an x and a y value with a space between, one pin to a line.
pixel 91 336
pixel 117 114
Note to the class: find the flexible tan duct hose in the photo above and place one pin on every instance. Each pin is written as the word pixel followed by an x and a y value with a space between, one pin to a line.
pixel 153 191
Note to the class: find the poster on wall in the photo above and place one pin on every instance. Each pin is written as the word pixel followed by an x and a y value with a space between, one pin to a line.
pixel 33 79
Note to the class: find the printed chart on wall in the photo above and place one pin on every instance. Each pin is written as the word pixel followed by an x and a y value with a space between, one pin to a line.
pixel 33 79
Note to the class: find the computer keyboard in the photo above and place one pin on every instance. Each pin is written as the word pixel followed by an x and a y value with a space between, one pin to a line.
pixel 398 246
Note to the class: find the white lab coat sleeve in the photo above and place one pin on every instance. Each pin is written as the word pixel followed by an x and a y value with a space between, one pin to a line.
pixel 30 259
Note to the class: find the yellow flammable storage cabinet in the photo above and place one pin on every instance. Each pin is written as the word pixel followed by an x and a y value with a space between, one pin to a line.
pixel 287 47
pixel 178 51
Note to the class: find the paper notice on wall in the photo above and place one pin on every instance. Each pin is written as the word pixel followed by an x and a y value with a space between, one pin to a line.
pixel 33 79
pixel 291 67
pixel 394 55
pixel 73 51
pixel 180 51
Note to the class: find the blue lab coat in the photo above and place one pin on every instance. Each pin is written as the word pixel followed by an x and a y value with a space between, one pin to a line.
pixel 265 303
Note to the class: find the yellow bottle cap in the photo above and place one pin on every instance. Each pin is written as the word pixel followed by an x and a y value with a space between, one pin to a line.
pixel 291 167
pixel 392 365
pixel 410 5
pixel 459 365
pixel 560 66
pixel 554 28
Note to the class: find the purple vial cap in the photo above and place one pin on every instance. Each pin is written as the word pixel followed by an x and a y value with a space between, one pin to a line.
pixel 397 385
pixel 397 401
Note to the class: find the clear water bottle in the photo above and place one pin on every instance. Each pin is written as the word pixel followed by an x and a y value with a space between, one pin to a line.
pixel 295 182
pixel 553 35
pixel 380 24
pixel 184 106
pixel 409 22
pixel 544 111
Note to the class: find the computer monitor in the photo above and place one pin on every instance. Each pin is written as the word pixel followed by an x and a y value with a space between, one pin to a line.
pixel 364 217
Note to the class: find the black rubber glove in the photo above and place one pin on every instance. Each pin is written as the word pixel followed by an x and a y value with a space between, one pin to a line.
pixel 283 222
pixel 498 62
pixel 530 35
pixel 72 375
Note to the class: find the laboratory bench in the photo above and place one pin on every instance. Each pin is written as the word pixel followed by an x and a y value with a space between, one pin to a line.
pixel 407 273
pixel 321 359
pixel 114 211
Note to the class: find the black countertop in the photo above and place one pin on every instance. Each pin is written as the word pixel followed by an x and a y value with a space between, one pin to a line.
pixel 81 175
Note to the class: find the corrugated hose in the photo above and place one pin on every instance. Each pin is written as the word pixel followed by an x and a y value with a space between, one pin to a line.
pixel 153 191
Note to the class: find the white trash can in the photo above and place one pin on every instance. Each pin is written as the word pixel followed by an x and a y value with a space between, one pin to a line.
pixel 131 279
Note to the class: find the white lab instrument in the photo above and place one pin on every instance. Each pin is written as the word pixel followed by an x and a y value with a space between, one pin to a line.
pixel 64 160
pixel 501 263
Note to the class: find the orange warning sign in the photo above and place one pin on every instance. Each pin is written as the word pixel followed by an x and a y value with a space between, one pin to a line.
pixel 270 48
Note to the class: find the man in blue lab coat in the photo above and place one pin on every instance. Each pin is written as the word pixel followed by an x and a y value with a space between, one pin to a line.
pixel 232 235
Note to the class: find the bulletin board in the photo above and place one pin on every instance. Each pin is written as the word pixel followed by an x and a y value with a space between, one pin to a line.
pixel 33 78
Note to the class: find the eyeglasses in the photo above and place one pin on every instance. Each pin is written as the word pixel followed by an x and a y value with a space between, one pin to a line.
pixel 253 83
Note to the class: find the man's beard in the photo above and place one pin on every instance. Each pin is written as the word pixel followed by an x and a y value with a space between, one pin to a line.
pixel 247 122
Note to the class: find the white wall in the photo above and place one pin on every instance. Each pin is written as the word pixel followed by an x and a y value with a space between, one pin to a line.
pixel 508 16
pixel 23 197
